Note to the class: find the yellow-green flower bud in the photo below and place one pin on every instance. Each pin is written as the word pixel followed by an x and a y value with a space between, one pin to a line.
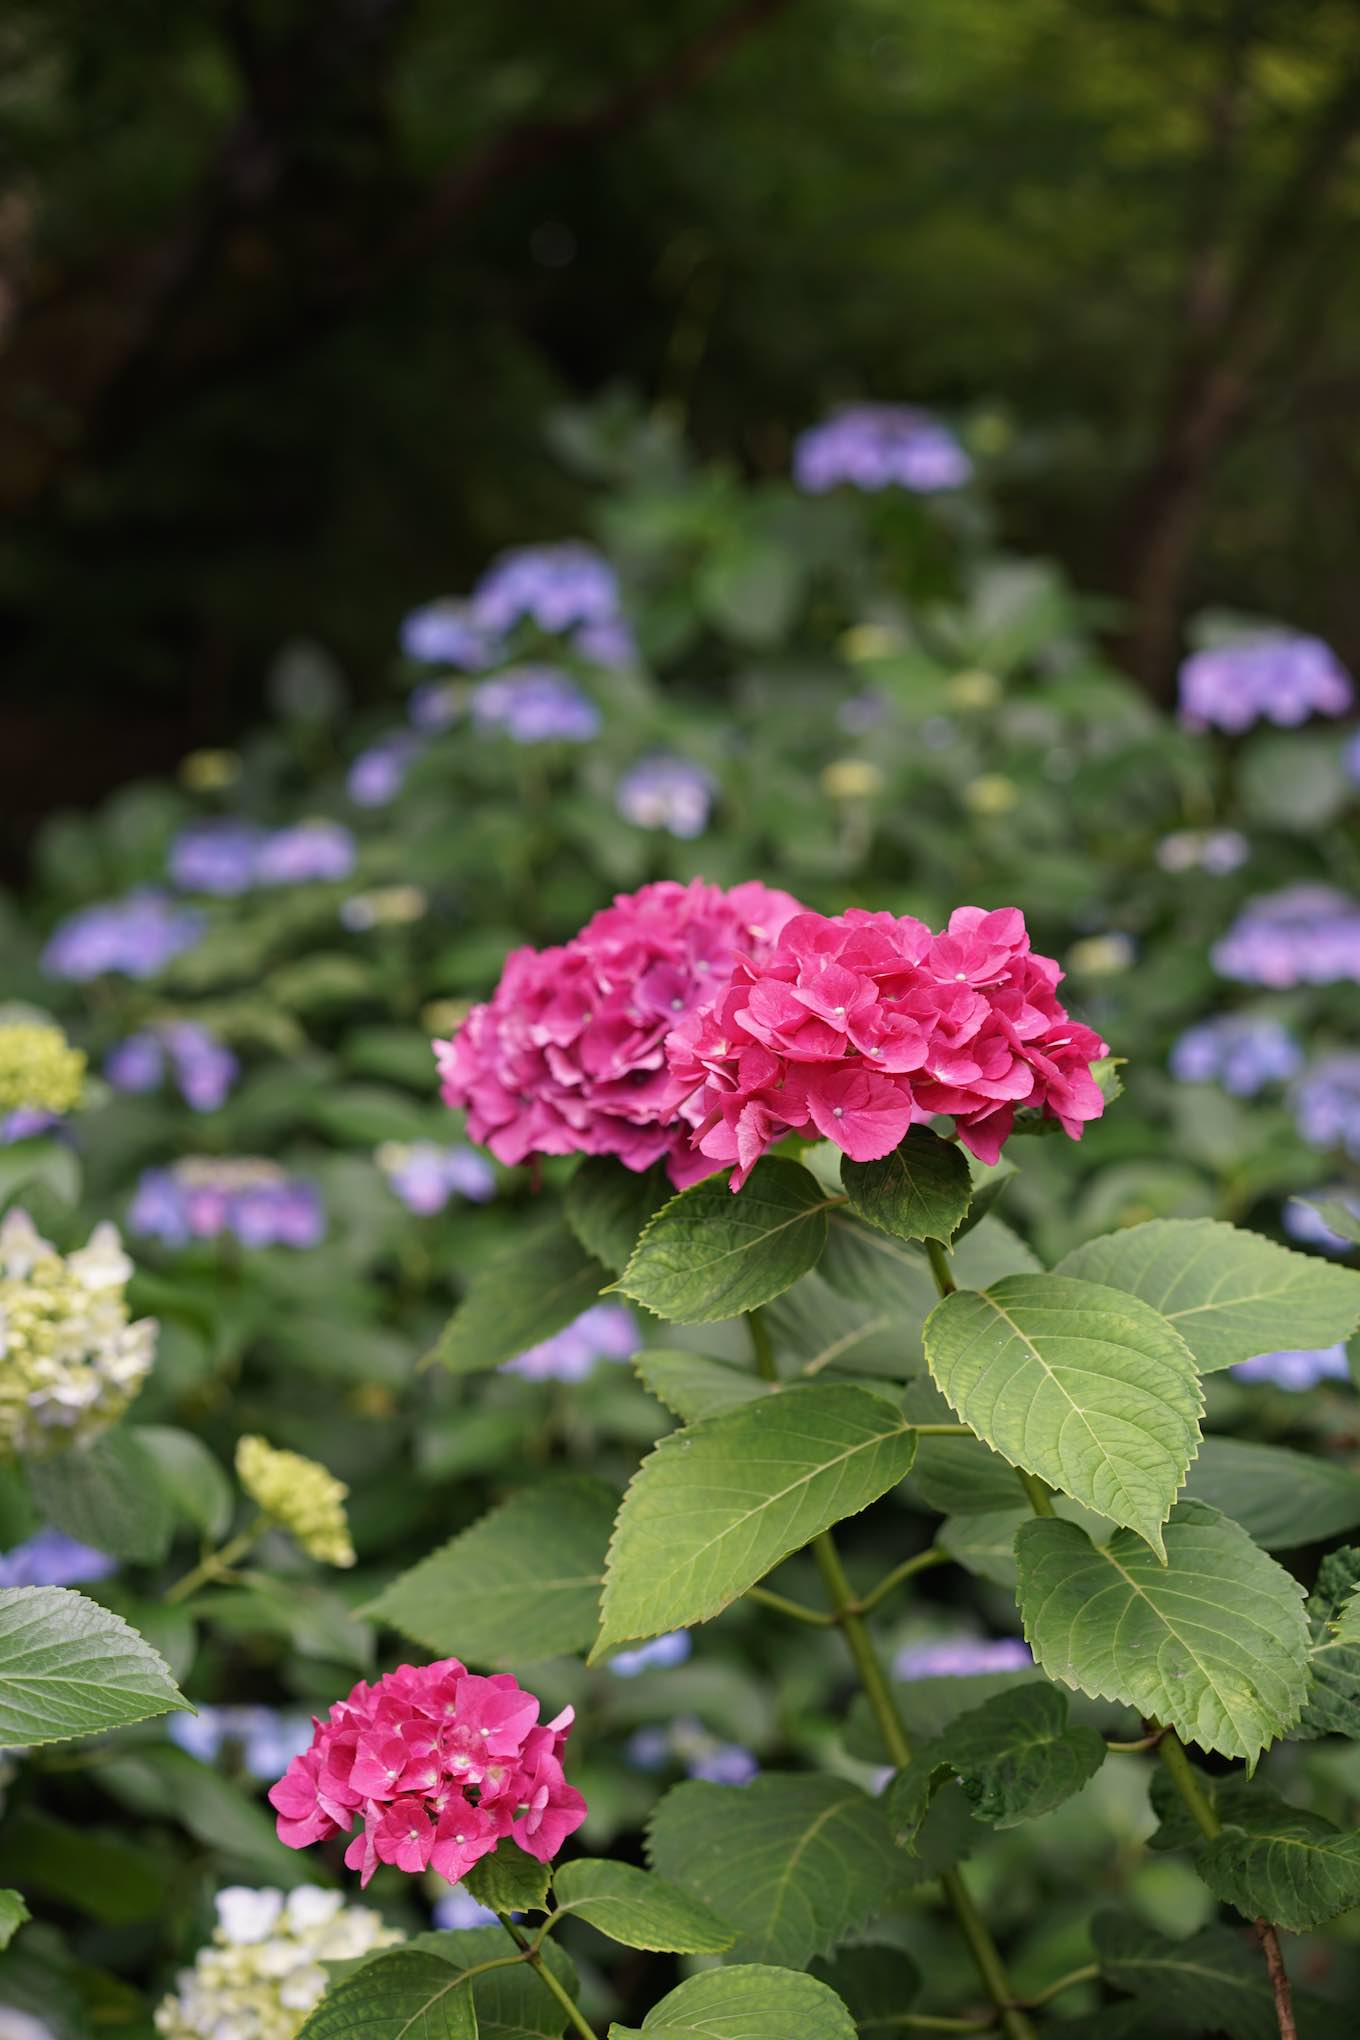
pixel 264 1969
pixel 298 1495
pixel 851 779
pixel 39 1069
pixel 992 794
pixel 974 690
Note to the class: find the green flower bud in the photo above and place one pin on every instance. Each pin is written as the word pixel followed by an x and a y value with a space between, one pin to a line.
pixel 300 1496
pixel 39 1069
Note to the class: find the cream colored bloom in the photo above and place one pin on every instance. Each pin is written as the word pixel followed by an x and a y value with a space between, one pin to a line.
pixel 300 1496
pixel 263 1971
pixel 39 1069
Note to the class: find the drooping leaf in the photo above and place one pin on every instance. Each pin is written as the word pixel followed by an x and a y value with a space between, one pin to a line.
pixel 69 1667
pixel 1078 1383
pixel 1281 1498
pixel 1339 1218
pixel 1288 1866
pixel 608 1206
pixel 1230 1294
pixel 509 1881
pixel 13 1913
pixel 793 1864
pixel 1016 1757
pixel 829 1334
pixel 921 1191
pixel 521 1584
pixel 717 1505
pixel 108 1494
pixel 1333 1705
pixel 708 1254
pixel 696 1387
pixel 522 1297
pixel 1213 1643
pixel 639 1909
pixel 159 1782
pixel 400 1994
pixel 747 2002
pixel 194 1481
pixel 107 1875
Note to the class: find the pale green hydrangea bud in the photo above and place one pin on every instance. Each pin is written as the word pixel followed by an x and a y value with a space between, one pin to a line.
pixel 300 1496
pixel 70 1362
pixel 262 1972
pixel 39 1069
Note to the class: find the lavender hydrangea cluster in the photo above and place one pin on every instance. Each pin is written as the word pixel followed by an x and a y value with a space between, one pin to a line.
pixel 1243 1052
pixel 203 1068
pixel 880 446
pixel 204 1196
pixel 962 1657
pixel 1280 678
pixel 662 1654
pixel 446 633
pixel 535 705
pixel 1304 1222
pixel 378 774
pixel 665 792
pixel 227 856
pixel 136 936
pixel 699 1753
pixel 265 1739
pixel 607 1331
pixel 49 1558
pixel 1296 1368
pixel 425 1175
pixel 1327 1103
pixel 556 587
pixel 1302 935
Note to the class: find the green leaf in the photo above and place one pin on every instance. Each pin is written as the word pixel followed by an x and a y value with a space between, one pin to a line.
pixel 1333 1706
pixel 520 1585
pixel 793 1864
pixel 47 1164
pixel 98 1871
pixel 1213 1643
pixel 989 1181
pixel 870 1267
pixel 1016 1757
pixel 638 1909
pixel 191 1477
pixel 878 1985
pixel 509 1881
pixel 521 1298
pixel 747 2002
pixel 512 2004
pixel 709 1254
pixel 160 1782
pixel 921 1191
pixel 108 1494
pixel 607 1206
pixel 1078 1383
pixel 13 1913
pixel 68 1667
pixel 1213 1983
pixel 1290 1867
pixel 399 1995
pixel 696 1387
pixel 956 1476
pixel 1281 1498
pixel 365 1115
pixel 1338 1217
pixel 1230 1294
pixel 719 1504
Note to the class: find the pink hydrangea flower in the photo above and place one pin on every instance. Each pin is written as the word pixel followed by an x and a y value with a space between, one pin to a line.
pixel 568 1056
pixel 440 1765
pixel 859 1026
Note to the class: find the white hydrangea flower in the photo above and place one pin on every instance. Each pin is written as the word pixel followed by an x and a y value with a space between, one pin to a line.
pixel 264 1969
pixel 17 2025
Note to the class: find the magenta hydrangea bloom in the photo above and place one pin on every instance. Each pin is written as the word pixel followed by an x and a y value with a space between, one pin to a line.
pixel 440 1765
pixel 568 1056
pixel 863 1025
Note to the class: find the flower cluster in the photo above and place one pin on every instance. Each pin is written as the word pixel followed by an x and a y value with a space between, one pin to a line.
pixel 880 446
pixel 227 856
pixel 1327 1103
pixel 1295 1368
pixel 300 1496
pixel 666 793
pixel 535 705
pixel 1302 935
pixel 963 1657
pixel 72 1362
pixel 203 1196
pixel 378 774
pixel 265 1968
pixel 863 1025
pixel 1242 1051
pixel 446 634
pixel 49 1558
pixel 1281 678
pixel 1217 851
pixel 568 1056
pixel 662 1654
pixel 556 587
pixel 607 1331
pixel 441 1765
pixel 425 1176
pixel 138 935
pixel 204 1069
pixel 39 1069
pixel 267 1740
pixel 699 1753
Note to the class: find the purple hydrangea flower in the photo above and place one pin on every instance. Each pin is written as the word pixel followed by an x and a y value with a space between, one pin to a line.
pixel 216 857
pixel 1281 678
pixel 52 1559
pixel 268 1739
pixel 536 705
pixel 458 1909
pixel 26 1122
pixel 962 1657
pixel 1296 1369
pixel 607 1331
pixel 607 643
pixel 1242 1052
pixel 1327 1104
pixel 437 705
pixel 860 713
pixel 687 1742
pixel 137 935
pixel 666 793
pixel 880 446
pixel 204 1196
pixel 1304 1222
pixel 446 634
pixel 204 1068
pixel 660 1655
pixel 425 1176
pixel 1303 935
pixel 306 853
pixel 378 774
pixel 557 587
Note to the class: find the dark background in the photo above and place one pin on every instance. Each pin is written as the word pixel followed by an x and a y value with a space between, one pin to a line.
pixel 290 286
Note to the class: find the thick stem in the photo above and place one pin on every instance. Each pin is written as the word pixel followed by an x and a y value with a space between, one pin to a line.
pixel 938 1257
pixel 1040 1500
pixel 575 2016
pixel 761 1346
pixel 1279 1978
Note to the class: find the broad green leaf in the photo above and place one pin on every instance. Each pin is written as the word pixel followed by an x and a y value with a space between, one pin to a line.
pixel 509 1881
pixel 709 1254
pixel 68 1667
pixel 1078 1383
pixel 747 2002
pixel 365 1115
pixel 108 1494
pixel 1230 1294
pixel 1016 1757
pixel 96 1870
pixel 1333 1706
pixel 639 1909
pixel 194 1481
pixel 401 1994
pixel 159 1782
pixel 607 1206
pixel 1281 1498
pixel 1213 1643
pixel 878 1985
pixel 47 1164
pixel 984 1543
pixel 1210 1982
pixel 521 1584
pixel 956 1476
pixel 921 1191
pixel 13 1913
pixel 793 1864
pixel 512 2004
pixel 520 1298
pixel 696 1387
pixel 1288 1866
pixel 719 1504
pixel 871 1267
pixel 1228 1795
pixel 1339 1218
pixel 828 1334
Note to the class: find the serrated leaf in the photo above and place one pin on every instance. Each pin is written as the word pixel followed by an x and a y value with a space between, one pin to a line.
pixel 1212 1983
pixel 1333 1704
pixel 512 2004
pixel 696 1387
pixel 1016 1757
pixel 1230 1294
pixel 1281 1498
pixel 719 1504
pixel 708 1254
pixel 520 1298
pixel 520 1585
pixel 793 1864
pixel 1213 1643
pixel 397 1996
pixel 921 1191
pixel 13 1913
pixel 1290 1867
pixel 747 2002
pixel 509 1881
pixel 69 1667
pixel 639 1909
pixel 1078 1383
pixel 608 1206
pixel 108 1494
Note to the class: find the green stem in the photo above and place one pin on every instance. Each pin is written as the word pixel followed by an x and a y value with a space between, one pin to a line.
pixel 575 2017
pixel 217 1562
pixel 1171 1750
pixel 909 1567
pixel 782 1605
pixel 1040 1500
pixel 761 1346
pixel 1089 1973
pixel 929 2022
pixel 938 1257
